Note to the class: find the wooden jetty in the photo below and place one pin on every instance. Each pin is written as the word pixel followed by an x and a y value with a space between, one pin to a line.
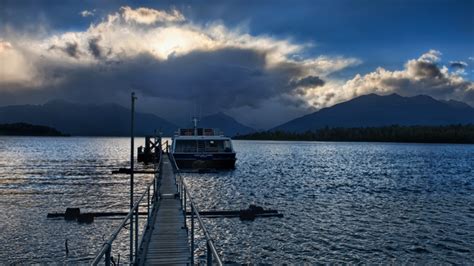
pixel 167 237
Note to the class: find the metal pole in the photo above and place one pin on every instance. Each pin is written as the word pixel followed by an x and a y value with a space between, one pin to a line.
pixel 209 254
pixel 132 150
pixel 148 206
pixel 192 234
pixel 136 231
pixel 156 188
pixel 184 208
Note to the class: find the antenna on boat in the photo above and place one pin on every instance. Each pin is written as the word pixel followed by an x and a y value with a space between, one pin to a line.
pixel 195 123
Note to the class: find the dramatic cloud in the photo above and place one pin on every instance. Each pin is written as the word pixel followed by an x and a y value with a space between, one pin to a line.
pixel 166 57
pixel 310 81
pixel 160 54
pixel 420 76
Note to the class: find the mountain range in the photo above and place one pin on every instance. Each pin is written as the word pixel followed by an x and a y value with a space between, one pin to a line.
pixel 225 123
pixel 106 119
pixel 85 120
pixel 373 110
pixel 365 111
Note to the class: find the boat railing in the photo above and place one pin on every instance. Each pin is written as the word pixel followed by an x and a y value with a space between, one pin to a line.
pixel 151 196
pixel 212 256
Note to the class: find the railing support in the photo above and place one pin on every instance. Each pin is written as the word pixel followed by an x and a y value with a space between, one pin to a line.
pixel 136 232
pixel 209 254
pixel 107 254
pixel 184 209
pixel 154 192
pixel 148 205
pixel 192 235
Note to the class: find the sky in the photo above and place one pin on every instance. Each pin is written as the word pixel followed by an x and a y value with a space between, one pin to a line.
pixel 262 62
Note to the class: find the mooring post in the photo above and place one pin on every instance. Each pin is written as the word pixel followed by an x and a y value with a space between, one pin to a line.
pixel 132 150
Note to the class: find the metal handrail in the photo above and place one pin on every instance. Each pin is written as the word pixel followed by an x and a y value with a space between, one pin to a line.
pixel 195 212
pixel 107 246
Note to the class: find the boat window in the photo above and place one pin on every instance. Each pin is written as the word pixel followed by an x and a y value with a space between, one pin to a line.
pixel 212 145
pixel 227 146
pixel 185 146
pixel 216 146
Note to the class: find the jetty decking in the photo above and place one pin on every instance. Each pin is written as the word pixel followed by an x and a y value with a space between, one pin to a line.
pixel 168 236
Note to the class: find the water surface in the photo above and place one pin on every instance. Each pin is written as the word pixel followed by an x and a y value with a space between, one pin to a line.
pixel 342 202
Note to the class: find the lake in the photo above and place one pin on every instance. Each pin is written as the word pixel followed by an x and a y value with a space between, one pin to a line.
pixel 342 202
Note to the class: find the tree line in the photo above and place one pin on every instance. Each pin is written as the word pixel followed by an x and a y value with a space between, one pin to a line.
pixel 393 133
pixel 24 129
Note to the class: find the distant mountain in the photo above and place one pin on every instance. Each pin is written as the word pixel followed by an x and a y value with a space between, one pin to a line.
pixel 227 124
pixel 85 120
pixel 374 110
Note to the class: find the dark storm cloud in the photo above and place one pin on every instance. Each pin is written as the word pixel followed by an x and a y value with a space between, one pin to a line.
pixel 69 48
pixel 175 61
pixel 425 69
pixel 221 79
pixel 224 78
pixel 309 81
pixel 95 48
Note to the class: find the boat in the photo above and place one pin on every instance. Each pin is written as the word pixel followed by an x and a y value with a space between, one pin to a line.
pixel 202 148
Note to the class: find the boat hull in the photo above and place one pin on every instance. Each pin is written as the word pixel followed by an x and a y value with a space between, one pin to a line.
pixel 205 161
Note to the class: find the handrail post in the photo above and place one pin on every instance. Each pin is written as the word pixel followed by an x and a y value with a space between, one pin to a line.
pixel 155 188
pixel 148 205
pixel 209 254
pixel 184 208
pixel 192 234
pixel 136 232
pixel 154 191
